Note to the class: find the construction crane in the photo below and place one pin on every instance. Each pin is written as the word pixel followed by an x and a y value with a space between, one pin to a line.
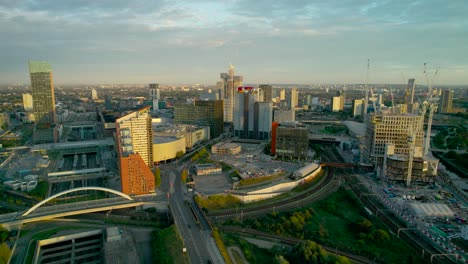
pixel 366 100
pixel 431 105
pixel 393 101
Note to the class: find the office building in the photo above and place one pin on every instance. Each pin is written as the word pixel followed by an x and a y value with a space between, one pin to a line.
pixel 43 95
pixel 252 119
pixel 282 94
pixel 94 94
pixel 266 93
pixel 383 129
pixel 263 117
pixel 202 113
pixel 357 107
pixel 293 97
pixel 228 86
pixel 280 115
pixel 445 103
pixel 135 148
pixel 336 104
pixel 154 94
pixel 28 102
pixel 291 141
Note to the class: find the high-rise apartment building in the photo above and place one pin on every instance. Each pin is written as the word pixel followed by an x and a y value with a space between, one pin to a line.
pixel 203 113
pixel 135 148
pixel 357 107
pixel 28 102
pixel 228 86
pixel 252 119
pixel 42 93
pixel 154 94
pixel 445 103
pixel 336 104
pixel 282 94
pixel 395 129
pixel 411 107
pixel 94 94
pixel 293 98
pixel 266 93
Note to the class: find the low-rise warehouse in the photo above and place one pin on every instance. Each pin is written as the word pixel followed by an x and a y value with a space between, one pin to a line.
pixel 226 148
pixel 207 169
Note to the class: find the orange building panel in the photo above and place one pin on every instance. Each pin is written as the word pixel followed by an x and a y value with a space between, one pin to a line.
pixel 274 125
pixel 136 177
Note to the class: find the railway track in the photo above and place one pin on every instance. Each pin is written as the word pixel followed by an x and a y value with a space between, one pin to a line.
pixel 291 241
pixel 319 191
pixel 412 237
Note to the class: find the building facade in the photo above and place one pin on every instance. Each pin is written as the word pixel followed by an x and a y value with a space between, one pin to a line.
pixel 383 129
pixel 228 86
pixel 43 95
pixel 202 113
pixel 445 104
pixel 336 104
pixel 357 107
pixel 28 102
pixel 252 119
pixel 266 93
pixel 292 142
pixel 154 95
pixel 135 149
pixel 280 115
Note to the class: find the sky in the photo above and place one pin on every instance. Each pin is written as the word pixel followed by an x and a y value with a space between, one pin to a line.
pixel 268 41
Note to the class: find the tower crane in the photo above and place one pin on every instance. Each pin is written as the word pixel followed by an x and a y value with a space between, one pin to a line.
pixel 366 100
pixel 431 105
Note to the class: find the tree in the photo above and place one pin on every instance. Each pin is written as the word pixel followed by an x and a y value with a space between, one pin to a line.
pixel 381 235
pixel 183 176
pixel 279 259
pixel 308 252
pixel 157 177
pixel 365 226
pixel 179 154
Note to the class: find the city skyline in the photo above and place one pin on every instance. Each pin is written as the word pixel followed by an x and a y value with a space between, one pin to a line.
pixel 268 42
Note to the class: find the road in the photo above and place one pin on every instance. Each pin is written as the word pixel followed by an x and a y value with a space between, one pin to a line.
pixel 198 241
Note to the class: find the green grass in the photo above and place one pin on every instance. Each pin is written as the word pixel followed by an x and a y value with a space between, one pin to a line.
pixel 40 191
pixel 167 246
pixel 335 222
pixel 252 253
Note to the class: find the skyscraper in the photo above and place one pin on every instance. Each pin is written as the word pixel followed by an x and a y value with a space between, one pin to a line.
pixel 27 102
pixel 409 96
pixel 154 95
pixel 204 113
pixel 135 148
pixel 282 94
pixel 42 93
pixel 252 119
pixel 336 103
pixel 357 106
pixel 228 86
pixel 293 98
pixel 94 95
pixel 445 104
pixel 266 92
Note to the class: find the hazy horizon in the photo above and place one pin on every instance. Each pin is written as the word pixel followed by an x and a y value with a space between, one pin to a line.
pixel 186 42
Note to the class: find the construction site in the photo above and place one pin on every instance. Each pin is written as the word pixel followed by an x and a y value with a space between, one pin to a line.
pixel 396 142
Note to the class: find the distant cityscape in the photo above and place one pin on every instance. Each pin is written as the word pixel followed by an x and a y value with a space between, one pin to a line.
pixel 222 169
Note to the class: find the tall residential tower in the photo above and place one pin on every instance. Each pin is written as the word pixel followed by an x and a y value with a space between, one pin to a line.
pixel 43 96
pixel 228 86
pixel 135 148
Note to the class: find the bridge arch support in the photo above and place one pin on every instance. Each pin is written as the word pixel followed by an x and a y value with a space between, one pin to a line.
pixel 75 190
